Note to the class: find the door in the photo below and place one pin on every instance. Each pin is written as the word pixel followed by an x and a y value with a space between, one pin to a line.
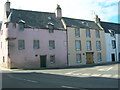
pixel 89 57
pixel 43 61
pixel 113 57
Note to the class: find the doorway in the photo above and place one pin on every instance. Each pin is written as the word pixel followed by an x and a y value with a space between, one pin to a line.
pixel 43 61
pixel 113 57
pixel 89 57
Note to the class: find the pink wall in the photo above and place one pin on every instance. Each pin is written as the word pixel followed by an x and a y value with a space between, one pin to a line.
pixel 26 58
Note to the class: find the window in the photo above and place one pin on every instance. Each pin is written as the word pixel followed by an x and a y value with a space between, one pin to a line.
pixel 98 45
pixel 21 44
pixel 89 47
pixel 112 33
pixel 77 32
pixel 78 58
pixel 88 33
pixel 21 27
pixel 51 29
pixel 97 34
pixel 99 57
pixel 36 44
pixel 52 59
pixel 3 59
pixel 78 45
pixel 51 44
pixel 113 44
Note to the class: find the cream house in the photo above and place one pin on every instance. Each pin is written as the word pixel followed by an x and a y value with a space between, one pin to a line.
pixel 86 41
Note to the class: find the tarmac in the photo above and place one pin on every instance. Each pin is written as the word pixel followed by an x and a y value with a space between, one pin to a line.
pixel 67 67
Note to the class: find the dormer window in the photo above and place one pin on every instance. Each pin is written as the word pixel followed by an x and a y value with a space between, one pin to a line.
pixel 112 33
pixel 51 27
pixel 21 25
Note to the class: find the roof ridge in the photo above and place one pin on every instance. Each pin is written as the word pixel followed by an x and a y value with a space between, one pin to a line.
pixel 32 11
pixel 78 19
pixel 110 22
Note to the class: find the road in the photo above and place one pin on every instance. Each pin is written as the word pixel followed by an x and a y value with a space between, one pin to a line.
pixel 105 76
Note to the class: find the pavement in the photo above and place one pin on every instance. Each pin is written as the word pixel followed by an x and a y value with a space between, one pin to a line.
pixel 83 78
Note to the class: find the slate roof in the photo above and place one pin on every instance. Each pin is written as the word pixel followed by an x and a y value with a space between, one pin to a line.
pixel 35 19
pixel 111 26
pixel 71 22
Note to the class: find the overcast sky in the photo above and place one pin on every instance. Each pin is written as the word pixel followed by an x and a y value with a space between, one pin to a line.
pixel 107 10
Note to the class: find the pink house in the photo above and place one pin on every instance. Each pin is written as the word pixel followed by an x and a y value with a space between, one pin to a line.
pixel 31 39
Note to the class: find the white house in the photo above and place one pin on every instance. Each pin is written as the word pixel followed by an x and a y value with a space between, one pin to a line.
pixel 112 36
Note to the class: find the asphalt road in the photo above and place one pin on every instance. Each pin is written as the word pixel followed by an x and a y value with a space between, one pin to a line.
pixel 91 77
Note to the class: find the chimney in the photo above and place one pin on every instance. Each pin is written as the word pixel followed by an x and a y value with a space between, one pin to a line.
pixel 59 12
pixel 7 6
pixel 97 19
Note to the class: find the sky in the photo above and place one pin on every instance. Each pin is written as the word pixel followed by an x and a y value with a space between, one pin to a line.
pixel 107 10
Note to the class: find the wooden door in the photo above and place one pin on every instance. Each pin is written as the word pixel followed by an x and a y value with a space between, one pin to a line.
pixel 89 58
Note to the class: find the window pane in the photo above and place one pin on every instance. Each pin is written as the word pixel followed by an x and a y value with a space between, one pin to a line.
pixel 97 34
pixel 78 45
pixel 89 45
pixel 98 45
pixel 78 58
pixel 52 59
pixel 36 44
pixel 88 33
pixel 77 32
pixel 21 44
pixel 99 57
pixel 51 44
pixel 113 44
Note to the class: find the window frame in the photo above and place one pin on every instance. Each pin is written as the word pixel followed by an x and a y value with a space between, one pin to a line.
pixel 22 46
pixel 113 44
pixel 88 33
pixel 99 57
pixel 53 45
pixel 78 60
pixel 76 46
pixel 97 33
pixel 52 59
pixel 77 32
pixel 34 44
pixel 21 26
pixel 89 45
pixel 98 45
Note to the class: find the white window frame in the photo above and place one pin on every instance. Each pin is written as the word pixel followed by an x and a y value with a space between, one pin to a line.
pixel 36 44
pixel 52 59
pixel 78 58
pixel 89 45
pixel 51 44
pixel 77 32
pixel 98 45
pixel 21 44
pixel 77 45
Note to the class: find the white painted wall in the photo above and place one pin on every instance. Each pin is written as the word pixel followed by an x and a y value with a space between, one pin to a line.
pixel 109 49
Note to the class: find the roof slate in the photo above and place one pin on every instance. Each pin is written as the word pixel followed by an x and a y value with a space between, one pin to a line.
pixel 35 19
pixel 111 26
pixel 70 22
